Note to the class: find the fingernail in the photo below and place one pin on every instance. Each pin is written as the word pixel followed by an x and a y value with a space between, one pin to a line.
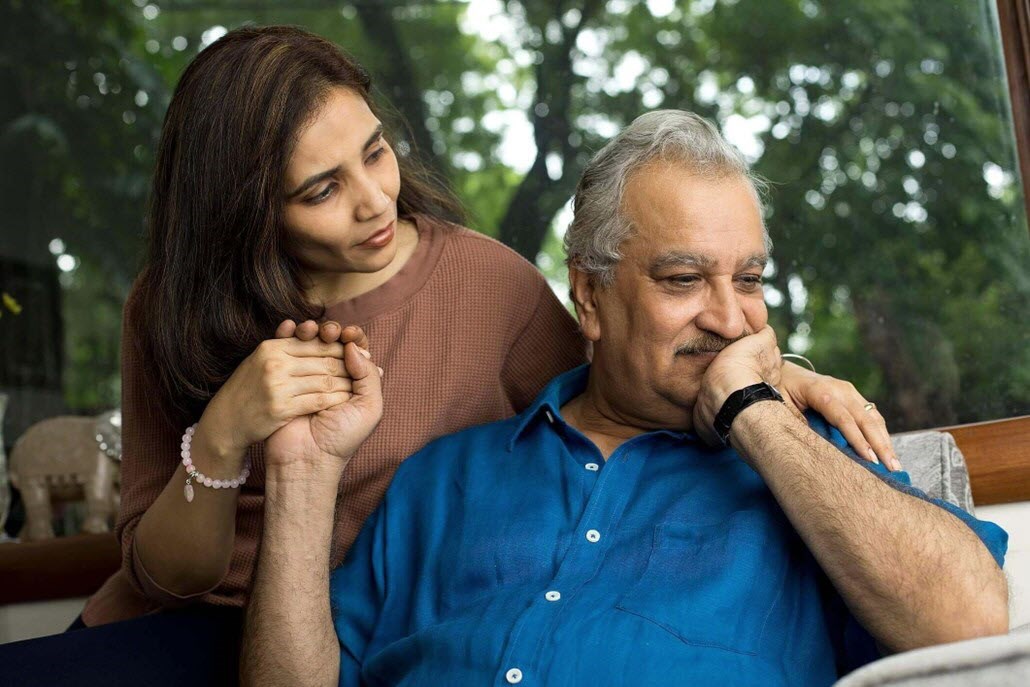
pixel 897 465
pixel 365 353
pixel 872 456
pixel 380 370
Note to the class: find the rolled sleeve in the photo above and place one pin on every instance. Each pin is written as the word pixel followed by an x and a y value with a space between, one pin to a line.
pixel 993 537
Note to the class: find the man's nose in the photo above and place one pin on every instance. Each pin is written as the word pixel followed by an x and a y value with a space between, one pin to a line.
pixel 370 199
pixel 722 313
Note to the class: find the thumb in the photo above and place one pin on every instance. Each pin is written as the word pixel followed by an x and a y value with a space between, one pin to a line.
pixel 362 370
pixel 285 329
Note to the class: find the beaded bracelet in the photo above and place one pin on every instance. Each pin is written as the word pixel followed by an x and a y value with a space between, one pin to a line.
pixel 194 474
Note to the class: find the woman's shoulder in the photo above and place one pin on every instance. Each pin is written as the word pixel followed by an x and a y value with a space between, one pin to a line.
pixel 476 253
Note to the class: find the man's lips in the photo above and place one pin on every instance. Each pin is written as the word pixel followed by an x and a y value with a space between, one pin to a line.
pixel 380 238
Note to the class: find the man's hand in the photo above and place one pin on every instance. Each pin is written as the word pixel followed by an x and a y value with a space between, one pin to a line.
pixel 752 359
pixel 326 440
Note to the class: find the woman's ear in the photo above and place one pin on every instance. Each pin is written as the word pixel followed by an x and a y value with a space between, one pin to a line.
pixel 582 289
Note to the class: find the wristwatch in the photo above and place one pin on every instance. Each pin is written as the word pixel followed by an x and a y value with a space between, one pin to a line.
pixel 737 401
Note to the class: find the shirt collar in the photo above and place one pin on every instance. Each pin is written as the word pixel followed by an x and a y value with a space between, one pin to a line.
pixel 560 391
pixel 557 393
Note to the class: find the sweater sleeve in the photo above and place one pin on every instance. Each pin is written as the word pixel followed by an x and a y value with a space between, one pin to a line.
pixel 548 344
pixel 150 450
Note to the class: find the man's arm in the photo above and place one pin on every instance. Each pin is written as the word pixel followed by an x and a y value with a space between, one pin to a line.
pixel 912 573
pixel 288 637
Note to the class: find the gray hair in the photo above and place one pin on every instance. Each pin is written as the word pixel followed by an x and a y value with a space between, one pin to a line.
pixel 599 226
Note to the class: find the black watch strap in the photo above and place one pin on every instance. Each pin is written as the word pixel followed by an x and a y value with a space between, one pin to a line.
pixel 737 401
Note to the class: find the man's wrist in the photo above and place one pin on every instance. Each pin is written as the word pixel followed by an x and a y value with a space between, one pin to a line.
pixel 755 425
pixel 321 470
pixel 737 402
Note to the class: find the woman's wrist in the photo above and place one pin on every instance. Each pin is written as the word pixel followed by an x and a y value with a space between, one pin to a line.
pixel 214 451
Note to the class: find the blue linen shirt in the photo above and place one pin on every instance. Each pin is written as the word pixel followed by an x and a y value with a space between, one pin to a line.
pixel 513 553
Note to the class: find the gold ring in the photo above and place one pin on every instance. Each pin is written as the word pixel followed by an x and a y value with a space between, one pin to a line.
pixel 869 406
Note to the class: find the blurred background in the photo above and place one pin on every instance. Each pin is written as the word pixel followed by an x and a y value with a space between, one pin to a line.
pixel 884 127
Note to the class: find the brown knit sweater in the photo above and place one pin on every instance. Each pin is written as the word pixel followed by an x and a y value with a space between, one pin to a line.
pixel 468 332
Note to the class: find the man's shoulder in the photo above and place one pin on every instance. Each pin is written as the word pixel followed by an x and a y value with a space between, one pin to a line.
pixel 454 453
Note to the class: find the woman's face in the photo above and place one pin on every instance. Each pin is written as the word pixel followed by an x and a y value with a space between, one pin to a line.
pixel 341 190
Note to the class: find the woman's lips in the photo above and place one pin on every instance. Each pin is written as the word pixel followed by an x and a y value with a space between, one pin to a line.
pixel 380 238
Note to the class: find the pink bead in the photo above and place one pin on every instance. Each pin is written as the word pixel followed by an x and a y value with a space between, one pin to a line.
pixel 235 484
pixel 207 481
pixel 216 484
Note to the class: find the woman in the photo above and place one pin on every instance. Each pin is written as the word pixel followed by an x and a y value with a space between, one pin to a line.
pixel 277 196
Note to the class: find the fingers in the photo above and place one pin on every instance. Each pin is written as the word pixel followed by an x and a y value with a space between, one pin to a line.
pixel 862 432
pixel 354 334
pixel 874 431
pixel 316 348
pixel 841 418
pixel 285 329
pixel 303 367
pixel 314 384
pixel 329 331
pixel 366 375
pixel 308 404
pixel 307 330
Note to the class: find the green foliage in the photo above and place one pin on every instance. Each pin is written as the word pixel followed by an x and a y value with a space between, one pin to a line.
pixel 878 123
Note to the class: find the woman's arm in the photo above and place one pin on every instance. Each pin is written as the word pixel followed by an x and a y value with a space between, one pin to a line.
pixel 173 549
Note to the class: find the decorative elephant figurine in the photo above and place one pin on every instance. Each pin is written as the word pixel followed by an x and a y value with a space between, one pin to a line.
pixel 67 458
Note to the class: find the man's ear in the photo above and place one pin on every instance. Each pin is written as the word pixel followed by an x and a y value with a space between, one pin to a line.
pixel 583 290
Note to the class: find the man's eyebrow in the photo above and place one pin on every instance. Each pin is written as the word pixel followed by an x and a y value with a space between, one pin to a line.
pixel 680 259
pixel 756 260
pixel 686 259
pixel 322 176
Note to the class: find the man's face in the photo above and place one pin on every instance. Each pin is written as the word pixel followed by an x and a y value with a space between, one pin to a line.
pixel 688 285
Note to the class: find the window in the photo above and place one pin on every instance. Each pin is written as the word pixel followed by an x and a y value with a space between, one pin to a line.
pixel 896 206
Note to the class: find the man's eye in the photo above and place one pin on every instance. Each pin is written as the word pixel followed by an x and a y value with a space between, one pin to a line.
pixel 750 281
pixel 684 279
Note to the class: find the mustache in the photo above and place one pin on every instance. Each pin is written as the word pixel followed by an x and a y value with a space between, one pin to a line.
pixel 707 343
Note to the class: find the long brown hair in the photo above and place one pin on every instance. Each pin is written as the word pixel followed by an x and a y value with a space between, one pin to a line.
pixel 217 277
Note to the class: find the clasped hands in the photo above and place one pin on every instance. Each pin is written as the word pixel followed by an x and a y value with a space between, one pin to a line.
pixel 756 358
pixel 344 397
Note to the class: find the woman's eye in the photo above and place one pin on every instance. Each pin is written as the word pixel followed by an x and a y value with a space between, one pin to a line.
pixel 315 200
pixel 376 154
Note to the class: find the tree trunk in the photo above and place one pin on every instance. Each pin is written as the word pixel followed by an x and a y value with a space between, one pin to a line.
pixel 400 83
pixel 539 197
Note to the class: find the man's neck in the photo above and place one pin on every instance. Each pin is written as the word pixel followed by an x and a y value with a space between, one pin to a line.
pixel 602 415
pixel 332 287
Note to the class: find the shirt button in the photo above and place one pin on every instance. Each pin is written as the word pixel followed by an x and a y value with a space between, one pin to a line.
pixel 593 536
pixel 513 676
pixel 552 596
pixel 592 467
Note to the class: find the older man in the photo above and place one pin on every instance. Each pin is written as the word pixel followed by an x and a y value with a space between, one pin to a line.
pixel 595 539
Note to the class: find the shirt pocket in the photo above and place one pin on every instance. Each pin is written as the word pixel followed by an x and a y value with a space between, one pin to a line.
pixel 713 585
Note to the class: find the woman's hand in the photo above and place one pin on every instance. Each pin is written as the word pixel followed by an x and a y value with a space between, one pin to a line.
pixel 844 408
pixel 322 443
pixel 282 379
